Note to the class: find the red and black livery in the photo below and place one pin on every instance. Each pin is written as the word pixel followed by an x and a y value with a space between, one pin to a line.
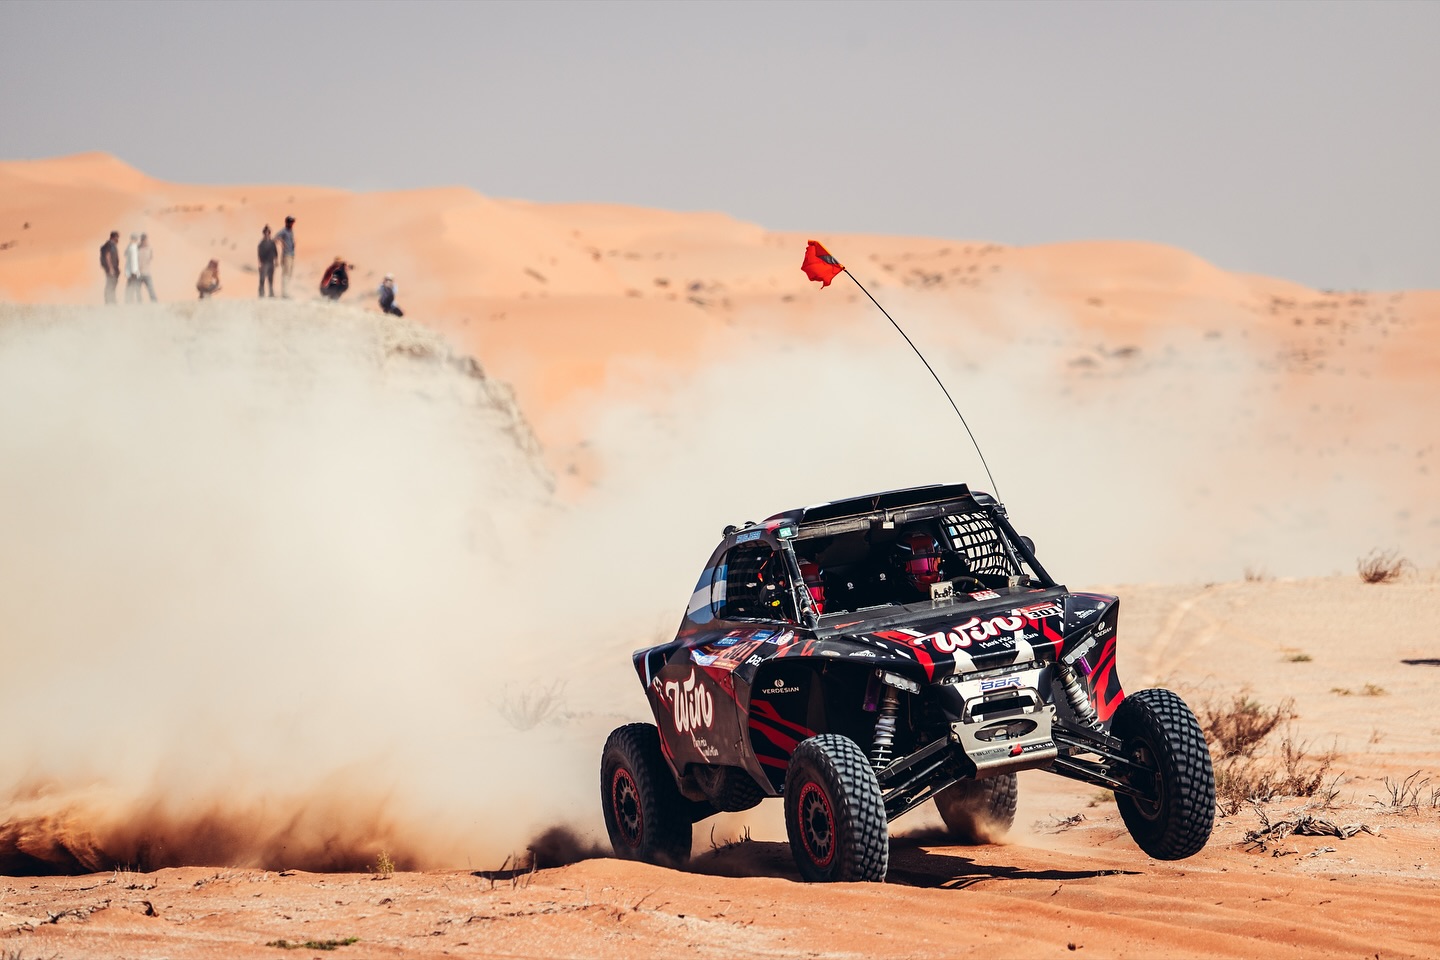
pixel 811 665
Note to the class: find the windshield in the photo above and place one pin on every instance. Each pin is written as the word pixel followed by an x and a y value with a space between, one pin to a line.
pixel 885 565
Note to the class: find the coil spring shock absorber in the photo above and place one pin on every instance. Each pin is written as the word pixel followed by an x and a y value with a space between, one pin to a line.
pixel 1075 693
pixel 883 746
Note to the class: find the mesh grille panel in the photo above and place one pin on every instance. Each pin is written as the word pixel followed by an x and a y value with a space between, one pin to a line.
pixel 975 537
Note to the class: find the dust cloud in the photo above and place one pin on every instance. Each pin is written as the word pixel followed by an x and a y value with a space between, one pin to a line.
pixel 282 585
pixel 1185 457
pixel 287 585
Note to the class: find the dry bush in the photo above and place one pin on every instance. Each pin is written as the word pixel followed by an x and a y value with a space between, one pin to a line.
pixel 1241 779
pixel 1381 566
pixel 1301 774
pixel 1240 725
pixel 733 842
pixel 1369 690
pixel 530 708
pixel 1402 795
pixel 1237 730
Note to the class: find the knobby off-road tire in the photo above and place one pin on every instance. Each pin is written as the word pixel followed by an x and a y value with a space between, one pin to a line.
pixel 978 811
pixel 645 814
pixel 1158 730
pixel 834 812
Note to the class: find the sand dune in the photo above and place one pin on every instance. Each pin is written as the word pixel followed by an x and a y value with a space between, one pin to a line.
pixel 283 576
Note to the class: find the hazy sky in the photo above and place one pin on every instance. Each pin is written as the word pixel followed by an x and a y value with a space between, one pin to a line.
pixel 1295 139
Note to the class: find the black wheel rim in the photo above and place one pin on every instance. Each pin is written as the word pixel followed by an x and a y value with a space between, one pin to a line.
pixel 625 800
pixel 1145 778
pixel 817 824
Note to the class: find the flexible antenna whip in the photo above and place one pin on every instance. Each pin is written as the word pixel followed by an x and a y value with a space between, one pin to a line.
pixel 938 383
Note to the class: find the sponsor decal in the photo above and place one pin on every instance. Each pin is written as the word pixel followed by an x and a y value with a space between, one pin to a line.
pixel 863 653
pixel 702 746
pixel 999 683
pixel 755 661
pixel 737 654
pixel 1017 750
pixel 984 595
pixel 970 632
pixel 747 537
pixel 726 642
pixel 703 659
pixel 762 635
pixel 778 687
pixel 1101 629
pixel 1082 614
pixel 692 704
pixel 1039 611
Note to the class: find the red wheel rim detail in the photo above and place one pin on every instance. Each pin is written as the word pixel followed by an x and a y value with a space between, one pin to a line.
pixel 817 824
pixel 625 801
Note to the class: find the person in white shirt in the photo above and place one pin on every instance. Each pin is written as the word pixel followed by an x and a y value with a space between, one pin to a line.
pixel 132 270
pixel 147 254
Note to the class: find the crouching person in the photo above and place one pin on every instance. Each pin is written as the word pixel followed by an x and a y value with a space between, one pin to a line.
pixel 387 296
pixel 209 282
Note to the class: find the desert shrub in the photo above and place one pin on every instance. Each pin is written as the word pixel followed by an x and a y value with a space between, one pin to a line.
pixel 1407 794
pixel 1301 773
pixel 1237 731
pixel 1381 566
pixel 1238 726
pixel 530 708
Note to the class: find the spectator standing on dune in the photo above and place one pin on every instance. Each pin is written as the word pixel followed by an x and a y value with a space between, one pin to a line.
pixel 387 296
pixel 132 270
pixel 110 263
pixel 286 239
pixel 209 281
pixel 147 254
pixel 336 280
pixel 266 253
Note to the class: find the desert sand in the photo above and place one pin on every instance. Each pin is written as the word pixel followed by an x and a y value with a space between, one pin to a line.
pixel 295 588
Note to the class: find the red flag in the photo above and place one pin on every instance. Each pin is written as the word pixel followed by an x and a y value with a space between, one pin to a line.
pixel 819 265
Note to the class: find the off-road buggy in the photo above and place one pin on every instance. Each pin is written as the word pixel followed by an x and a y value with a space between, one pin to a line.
pixel 810 666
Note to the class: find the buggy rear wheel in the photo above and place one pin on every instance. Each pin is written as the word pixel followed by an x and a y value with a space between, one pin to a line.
pixel 1172 769
pixel 645 815
pixel 834 812
pixel 979 811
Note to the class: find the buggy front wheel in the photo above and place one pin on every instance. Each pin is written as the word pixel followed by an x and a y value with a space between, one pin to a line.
pixel 834 812
pixel 1170 768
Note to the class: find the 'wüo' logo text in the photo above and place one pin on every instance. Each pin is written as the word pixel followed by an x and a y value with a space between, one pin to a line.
pixel 694 707
pixel 971 631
